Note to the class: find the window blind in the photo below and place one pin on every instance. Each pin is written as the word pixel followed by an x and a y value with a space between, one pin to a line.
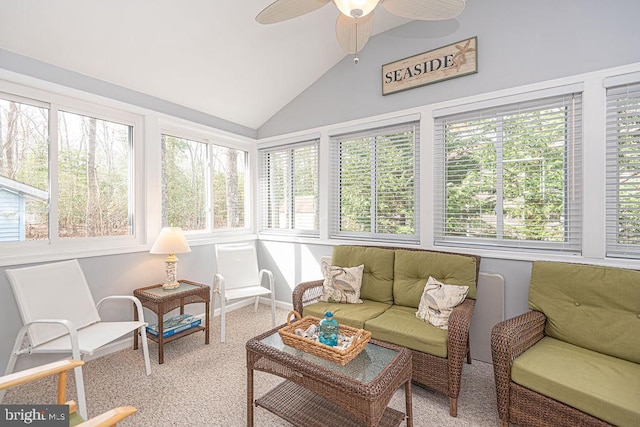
pixel 623 171
pixel 374 183
pixel 289 188
pixel 509 176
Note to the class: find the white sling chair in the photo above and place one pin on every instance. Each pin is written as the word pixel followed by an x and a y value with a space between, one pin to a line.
pixel 60 316
pixel 238 277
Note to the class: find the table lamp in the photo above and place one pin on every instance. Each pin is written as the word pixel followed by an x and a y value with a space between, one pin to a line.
pixel 171 241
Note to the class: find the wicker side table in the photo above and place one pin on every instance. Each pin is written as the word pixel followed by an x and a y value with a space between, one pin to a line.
pixel 162 301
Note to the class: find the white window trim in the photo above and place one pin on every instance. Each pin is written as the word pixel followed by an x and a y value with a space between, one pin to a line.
pixel 12 253
pixel 373 128
pixel 200 133
pixel 573 226
pixel 312 139
pixel 613 249
pixel 593 153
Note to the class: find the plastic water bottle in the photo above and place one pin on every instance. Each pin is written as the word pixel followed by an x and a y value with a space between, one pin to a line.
pixel 328 330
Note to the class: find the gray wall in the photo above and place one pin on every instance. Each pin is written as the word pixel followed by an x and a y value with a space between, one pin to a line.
pixel 111 275
pixel 292 263
pixel 519 42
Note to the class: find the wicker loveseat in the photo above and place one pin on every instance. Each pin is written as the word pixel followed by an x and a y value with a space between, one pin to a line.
pixel 574 359
pixel 392 285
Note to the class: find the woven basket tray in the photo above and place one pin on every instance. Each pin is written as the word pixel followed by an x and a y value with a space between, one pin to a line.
pixel 336 355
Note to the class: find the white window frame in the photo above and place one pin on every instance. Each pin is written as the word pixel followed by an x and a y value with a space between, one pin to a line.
pixel 573 245
pixel 212 137
pixel 55 247
pixel 363 130
pixel 263 178
pixel 621 91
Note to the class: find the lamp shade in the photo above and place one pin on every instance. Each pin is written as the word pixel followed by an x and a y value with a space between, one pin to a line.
pixel 356 8
pixel 171 240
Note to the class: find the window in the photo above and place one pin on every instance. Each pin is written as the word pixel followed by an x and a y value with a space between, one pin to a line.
pixel 374 183
pixel 623 171
pixel 509 176
pixel 24 170
pixel 74 183
pixel 203 185
pixel 289 188
pixel 184 201
pixel 94 177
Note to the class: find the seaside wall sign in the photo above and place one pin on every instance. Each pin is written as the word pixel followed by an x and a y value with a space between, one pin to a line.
pixel 448 62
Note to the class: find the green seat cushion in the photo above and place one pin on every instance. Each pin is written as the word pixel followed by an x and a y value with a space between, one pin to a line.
pixel 593 307
pixel 597 384
pixel 75 419
pixel 399 325
pixel 354 315
pixel 413 268
pixel 377 279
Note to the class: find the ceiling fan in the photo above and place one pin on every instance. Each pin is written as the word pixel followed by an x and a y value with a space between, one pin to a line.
pixel 355 23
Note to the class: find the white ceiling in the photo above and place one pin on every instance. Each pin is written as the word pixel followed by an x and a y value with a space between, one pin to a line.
pixel 209 55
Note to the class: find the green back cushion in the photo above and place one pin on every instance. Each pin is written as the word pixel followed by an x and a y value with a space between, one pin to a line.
pixel 413 268
pixel 377 280
pixel 594 307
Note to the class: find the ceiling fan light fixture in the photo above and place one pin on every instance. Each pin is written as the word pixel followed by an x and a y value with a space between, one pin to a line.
pixel 356 8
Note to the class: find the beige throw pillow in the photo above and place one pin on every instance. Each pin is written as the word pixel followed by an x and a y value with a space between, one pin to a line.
pixel 341 284
pixel 438 300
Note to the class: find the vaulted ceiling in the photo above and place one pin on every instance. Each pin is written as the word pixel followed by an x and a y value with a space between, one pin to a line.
pixel 209 55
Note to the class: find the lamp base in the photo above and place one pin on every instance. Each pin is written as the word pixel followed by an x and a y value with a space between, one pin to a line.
pixel 171 271
pixel 171 285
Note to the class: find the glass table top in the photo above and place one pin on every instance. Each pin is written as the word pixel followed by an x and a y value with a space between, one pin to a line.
pixel 161 292
pixel 365 367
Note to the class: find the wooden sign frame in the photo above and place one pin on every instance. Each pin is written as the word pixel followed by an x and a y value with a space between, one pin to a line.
pixel 447 62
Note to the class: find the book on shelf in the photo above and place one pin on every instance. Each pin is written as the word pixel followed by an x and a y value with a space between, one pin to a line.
pixel 174 325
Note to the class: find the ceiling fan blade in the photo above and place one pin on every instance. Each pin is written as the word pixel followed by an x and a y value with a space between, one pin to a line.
pixel 281 10
pixel 346 32
pixel 425 10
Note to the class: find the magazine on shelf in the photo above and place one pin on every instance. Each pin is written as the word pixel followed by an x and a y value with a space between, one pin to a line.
pixel 174 325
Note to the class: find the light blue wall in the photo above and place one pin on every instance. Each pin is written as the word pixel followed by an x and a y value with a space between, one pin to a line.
pixel 111 275
pixel 41 70
pixel 10 216
pixel 519 42
pixel 117 274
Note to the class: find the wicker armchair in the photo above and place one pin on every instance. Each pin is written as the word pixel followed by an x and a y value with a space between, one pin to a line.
pixel 572 359
pixel 517 404
pixel 442 374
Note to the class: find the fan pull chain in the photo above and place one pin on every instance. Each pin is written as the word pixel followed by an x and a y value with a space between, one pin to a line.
pixel 355 58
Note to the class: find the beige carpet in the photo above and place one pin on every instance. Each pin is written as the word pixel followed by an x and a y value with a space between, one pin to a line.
pixel 202 385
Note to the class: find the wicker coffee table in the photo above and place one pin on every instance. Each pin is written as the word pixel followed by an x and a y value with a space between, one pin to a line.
pixel 318 392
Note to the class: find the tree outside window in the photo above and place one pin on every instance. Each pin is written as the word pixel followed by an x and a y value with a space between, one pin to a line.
pixel 92 174
pixel 203 185
pixel 289 188
pixel 511 176
pixel 374 181
pixel 623 171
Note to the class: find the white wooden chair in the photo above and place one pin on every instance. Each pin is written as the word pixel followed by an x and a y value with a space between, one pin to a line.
pixel 238 277
pixel 60 316
pixel 59 369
